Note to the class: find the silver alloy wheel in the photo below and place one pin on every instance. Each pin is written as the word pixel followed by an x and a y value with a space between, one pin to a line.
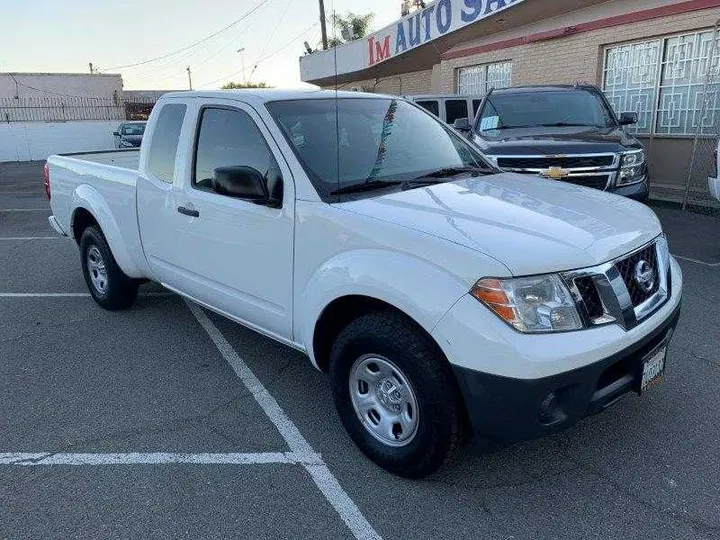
pixel 97 270
pixel 384 400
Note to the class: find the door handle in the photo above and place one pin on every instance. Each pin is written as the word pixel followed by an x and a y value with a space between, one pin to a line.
pixel 188 211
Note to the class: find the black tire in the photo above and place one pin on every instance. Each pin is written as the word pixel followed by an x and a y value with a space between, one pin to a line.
pixel 441 414
pixel 120 291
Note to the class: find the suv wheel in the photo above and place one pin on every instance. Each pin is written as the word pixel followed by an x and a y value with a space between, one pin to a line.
pixel 396 394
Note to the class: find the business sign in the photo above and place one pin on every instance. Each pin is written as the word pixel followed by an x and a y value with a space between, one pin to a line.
pixel 436 20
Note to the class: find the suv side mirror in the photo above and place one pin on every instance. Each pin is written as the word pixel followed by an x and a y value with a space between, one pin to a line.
pixel 248 184
pixel 462 125
pixel 628 118
pixel 116 133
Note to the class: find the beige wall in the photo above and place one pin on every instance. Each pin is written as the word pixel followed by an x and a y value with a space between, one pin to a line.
pixel 574 58
pixel 408 84
pixel 46 85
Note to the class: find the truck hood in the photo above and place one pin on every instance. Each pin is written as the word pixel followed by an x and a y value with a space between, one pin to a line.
pixel 556 140
pixel 531 225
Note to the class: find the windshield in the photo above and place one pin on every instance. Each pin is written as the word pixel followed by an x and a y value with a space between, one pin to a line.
pixel 368 141
pixel 577 107
pixel 132 129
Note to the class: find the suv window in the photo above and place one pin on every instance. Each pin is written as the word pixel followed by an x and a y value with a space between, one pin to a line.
pixel 454 109
pixel 164 144
pixel 431 106
pixel 228 138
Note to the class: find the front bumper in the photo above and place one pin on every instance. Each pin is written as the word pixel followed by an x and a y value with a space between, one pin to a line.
pixel 504 410
pixel 639 192
pixel 505 375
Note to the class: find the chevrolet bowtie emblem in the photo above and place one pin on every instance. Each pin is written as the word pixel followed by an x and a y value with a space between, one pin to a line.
pixel 556 173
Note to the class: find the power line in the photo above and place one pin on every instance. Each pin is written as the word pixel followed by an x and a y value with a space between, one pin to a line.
pixel 276 51
pixel 244 16
pixel 181 59
pixel 58 93
pixel 272 35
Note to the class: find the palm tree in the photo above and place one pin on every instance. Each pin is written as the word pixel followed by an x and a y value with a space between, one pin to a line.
pixel 351 26
pixel 235 86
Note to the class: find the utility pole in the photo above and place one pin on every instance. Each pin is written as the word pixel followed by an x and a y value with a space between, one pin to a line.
pixel 189 77
pixel 91 67
pixel 323 30
pixel 242 63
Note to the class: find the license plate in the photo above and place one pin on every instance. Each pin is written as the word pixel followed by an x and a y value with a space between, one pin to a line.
pixel 653 368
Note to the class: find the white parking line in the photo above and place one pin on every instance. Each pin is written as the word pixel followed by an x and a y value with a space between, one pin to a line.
pixel 319 472
pixel 74 295
pixel 156 458
pixel 696 261
pixel 18 238
pixel 25 209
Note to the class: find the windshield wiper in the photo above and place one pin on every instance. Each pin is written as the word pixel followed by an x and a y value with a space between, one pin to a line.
pixel 448 172
pixel 565 124
pixel 369 185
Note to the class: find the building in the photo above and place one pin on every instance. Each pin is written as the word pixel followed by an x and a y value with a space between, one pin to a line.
pixel 649 56
pixel 49 113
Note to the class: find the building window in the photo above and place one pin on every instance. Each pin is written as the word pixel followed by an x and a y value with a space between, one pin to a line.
pixel 663 81
pixel 478 80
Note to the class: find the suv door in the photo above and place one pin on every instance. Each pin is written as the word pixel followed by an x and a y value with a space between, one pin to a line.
pixel 232 254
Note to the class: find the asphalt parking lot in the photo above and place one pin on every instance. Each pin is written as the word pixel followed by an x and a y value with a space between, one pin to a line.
pixel 165 421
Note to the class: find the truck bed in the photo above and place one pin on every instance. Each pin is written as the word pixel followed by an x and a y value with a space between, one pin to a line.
pixel 125 159
pixel 102 183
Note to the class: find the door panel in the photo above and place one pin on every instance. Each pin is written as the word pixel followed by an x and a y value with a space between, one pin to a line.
pixel 233 254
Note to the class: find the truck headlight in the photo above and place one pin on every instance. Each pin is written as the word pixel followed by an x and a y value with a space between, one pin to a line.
pixel 125 144
pixel 530 304
pixel 632 168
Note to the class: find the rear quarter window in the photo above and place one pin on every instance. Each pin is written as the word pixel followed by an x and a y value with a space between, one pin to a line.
pixel 454 109
pixel 164 143
pixel 430 106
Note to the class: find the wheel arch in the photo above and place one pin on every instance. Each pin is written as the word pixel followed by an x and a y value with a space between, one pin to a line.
pixel 90 208
pixel 338 314
pixel 356 282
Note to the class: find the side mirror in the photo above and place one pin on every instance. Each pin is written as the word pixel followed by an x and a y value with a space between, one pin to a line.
pixel 116 133
pixel 462 125
pixel 248 184
pixel 628 118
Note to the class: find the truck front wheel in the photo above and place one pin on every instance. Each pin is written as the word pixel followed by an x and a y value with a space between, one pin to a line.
pixel 396 394
pixel 108 285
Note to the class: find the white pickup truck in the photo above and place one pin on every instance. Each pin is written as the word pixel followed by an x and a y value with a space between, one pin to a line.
pixel 443 296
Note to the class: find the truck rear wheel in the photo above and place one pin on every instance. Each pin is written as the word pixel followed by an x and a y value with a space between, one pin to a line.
pixel 396 394
pixel 108 284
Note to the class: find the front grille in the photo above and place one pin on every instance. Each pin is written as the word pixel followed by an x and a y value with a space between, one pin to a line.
pixel 597 182
pixel 590 297
pixel 545 162
pixel 627 266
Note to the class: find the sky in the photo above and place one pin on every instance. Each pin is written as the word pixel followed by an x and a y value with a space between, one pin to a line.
pixel 64 35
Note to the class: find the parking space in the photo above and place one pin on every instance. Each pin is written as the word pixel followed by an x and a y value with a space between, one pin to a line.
pixel 165 421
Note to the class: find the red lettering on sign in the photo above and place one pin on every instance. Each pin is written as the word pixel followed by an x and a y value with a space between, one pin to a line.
pixel 378 50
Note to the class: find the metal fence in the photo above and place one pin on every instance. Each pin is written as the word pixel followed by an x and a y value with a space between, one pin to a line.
pixel 60 109
pixel 66 109
pixel 707 131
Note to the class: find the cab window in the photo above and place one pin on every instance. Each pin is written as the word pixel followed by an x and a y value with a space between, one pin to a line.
pixel 164 143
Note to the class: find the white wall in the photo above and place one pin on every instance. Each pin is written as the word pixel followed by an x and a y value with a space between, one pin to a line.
pixel 26 141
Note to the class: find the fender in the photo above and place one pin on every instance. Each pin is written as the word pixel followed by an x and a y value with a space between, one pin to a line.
pixel 421 289
pixel 87 197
